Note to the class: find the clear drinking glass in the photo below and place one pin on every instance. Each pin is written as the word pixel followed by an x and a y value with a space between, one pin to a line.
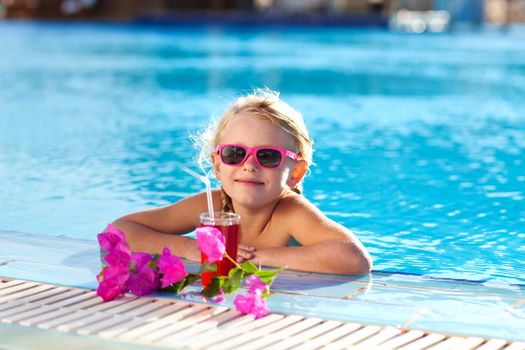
pixel 228 224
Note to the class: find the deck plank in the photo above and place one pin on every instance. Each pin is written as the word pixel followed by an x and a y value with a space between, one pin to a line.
pixel 493 344
pixel 167 323
pixel 353 338
pixel 17 287
pixel 424 342
pixel 296 328
pixel 386 333
pixel 450 343
pixel 242 325
pixel 185 336
pixel 403 339
pixel 516 346
pixel 257 333
pixel 299 339
pixel 333 335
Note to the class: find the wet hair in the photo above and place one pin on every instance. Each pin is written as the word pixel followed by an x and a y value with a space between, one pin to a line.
pixel 266 104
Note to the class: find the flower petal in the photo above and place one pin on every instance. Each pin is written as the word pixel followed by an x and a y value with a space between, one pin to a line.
pixel 211 242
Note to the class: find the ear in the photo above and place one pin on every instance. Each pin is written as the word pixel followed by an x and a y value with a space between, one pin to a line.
pixel 298 173
pixel 216 165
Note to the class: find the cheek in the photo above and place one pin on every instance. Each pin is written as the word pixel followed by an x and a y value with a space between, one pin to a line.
pixel 224 172
pixel 283 176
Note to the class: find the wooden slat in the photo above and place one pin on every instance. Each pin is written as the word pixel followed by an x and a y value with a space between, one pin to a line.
pixel 9 284
pixel 57 295
pixel 257 333
pixel 142 316
pixel 24 300
pixel 43 295
pixel 185 336
pixel 471 343
pixel 403 339
pixel 424 342
pixel 516 346
pixel 175 323
pixel 55 310
pixel 27 292
pixel 353 338
pixel 242 325
pixel 493 344
pixel 333 335
pixel 386 333
pixel 109 322
pixel 17 288
pixel 178 315
pixel 182 324
pixel 450 343
pixel 299 339
pixel 52 300
pixel 296 328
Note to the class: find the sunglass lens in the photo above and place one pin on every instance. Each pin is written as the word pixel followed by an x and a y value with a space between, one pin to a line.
pixel 269 158
pixel 233 155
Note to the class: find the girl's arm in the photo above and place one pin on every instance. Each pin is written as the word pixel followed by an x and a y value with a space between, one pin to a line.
pixel 153 229
pixel 327 247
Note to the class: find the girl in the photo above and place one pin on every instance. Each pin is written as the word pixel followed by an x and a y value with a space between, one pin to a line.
pixel 260 151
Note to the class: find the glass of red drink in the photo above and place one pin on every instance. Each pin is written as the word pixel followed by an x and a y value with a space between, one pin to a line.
pixel 228 224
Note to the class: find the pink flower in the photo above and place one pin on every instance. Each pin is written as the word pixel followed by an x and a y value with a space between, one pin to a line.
pixel 252 304
pixel 219 298
pixel 110 238
pixel 211 242
pixel 119 255
pixel 255 285
pixel 140 259
pixel 171 268
pixel 142 279
pixel 112 281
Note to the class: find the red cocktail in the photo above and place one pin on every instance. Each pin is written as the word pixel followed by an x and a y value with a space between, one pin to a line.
pixel 228 224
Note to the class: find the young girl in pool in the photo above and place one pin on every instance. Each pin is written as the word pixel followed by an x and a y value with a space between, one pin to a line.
pixel 260 151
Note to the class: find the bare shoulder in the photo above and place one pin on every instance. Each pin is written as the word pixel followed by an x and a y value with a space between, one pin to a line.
pixel 307 223
pixel 297 206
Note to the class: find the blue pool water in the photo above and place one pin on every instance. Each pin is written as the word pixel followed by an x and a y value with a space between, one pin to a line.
pixel 420 140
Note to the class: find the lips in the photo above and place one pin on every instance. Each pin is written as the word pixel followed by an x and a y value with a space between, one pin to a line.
pixel 249 182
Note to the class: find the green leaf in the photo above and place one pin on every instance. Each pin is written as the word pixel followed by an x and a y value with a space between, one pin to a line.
pixel 179 286
pixel 133 266
pixel 234 280
pixel 156 257
pixel 267 276
pixel 214 287
pixel 249 267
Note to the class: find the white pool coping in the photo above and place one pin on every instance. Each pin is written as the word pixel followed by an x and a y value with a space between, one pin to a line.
pixel 403 302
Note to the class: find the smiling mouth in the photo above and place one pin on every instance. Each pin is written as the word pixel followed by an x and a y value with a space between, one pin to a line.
pixel 249 182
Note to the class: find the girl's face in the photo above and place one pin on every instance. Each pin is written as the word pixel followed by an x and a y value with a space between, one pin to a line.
pixel 249 184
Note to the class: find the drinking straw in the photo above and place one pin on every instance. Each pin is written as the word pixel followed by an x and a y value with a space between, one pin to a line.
pixel 207 183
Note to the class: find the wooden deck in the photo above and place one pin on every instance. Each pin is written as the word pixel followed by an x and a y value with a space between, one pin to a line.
pixel 182 324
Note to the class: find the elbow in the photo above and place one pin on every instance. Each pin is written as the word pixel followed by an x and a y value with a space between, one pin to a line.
pixel 361 263
pixel 352 260
pixel 364 265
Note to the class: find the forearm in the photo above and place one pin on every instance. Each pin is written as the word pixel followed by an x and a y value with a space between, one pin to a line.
pixel 144 239
pixel 332 256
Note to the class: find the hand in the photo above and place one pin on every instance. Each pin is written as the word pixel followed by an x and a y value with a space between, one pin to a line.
pixel 245 253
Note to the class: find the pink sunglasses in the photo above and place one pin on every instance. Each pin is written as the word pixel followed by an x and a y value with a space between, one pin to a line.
pixel 266 157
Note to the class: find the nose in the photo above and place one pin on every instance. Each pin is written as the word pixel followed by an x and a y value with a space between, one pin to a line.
pixel 250 164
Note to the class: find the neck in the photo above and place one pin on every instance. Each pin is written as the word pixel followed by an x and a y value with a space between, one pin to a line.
pixel 255 220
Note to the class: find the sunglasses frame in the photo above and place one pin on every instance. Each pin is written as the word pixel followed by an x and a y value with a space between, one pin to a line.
pixel 253 151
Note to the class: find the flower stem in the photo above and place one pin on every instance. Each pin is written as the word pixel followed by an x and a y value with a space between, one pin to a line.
pixel 233 261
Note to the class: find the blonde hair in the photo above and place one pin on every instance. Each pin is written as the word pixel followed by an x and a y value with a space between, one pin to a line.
pixel 263 103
